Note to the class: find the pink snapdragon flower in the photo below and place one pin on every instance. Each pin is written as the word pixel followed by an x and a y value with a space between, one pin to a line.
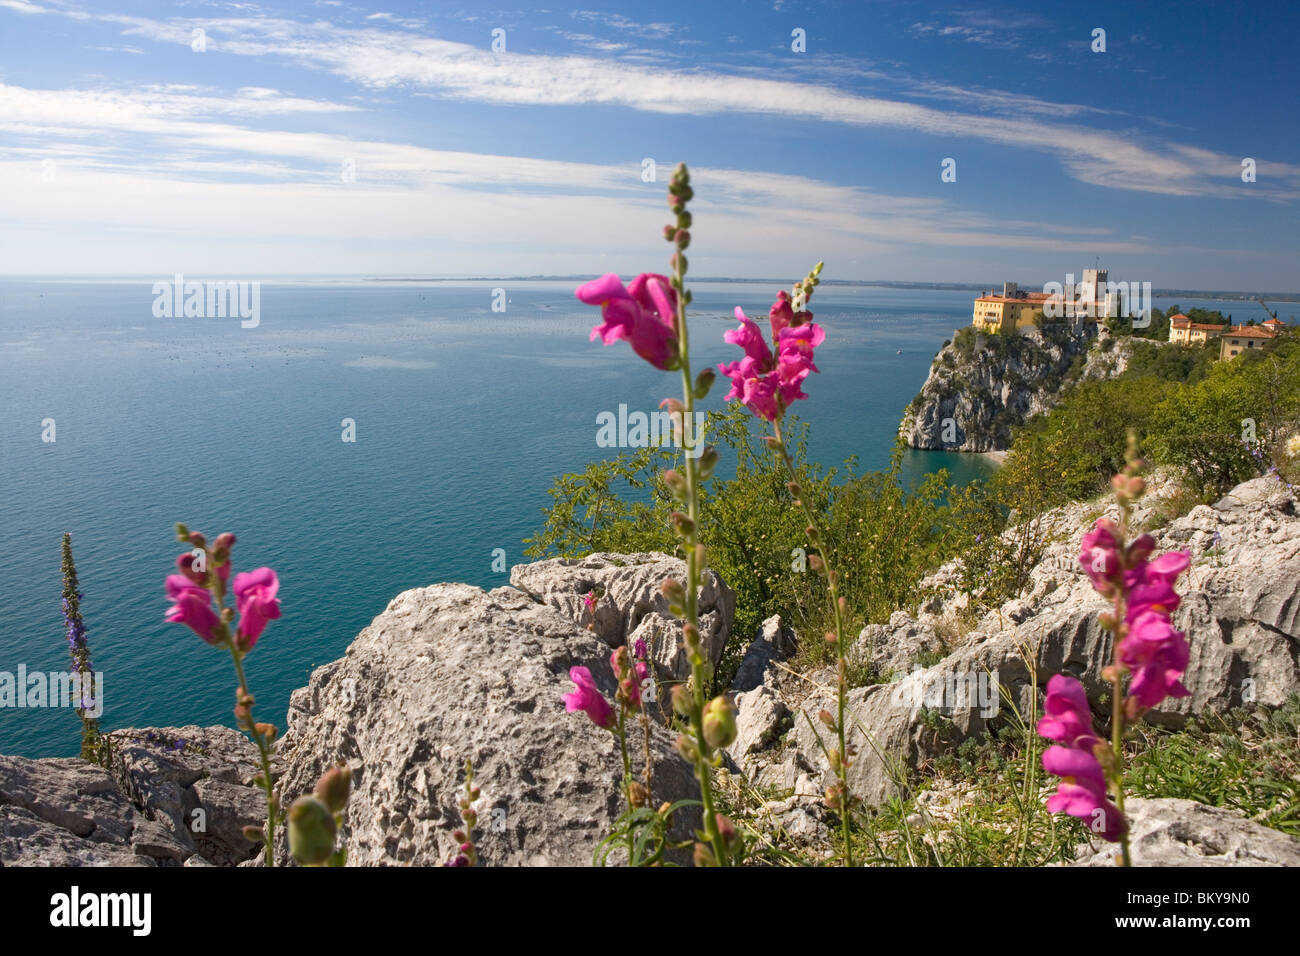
pixel 1150 585
pixel 257 604
pixel 1082 791
pixel 782 314
pixel 767 384
pixel 1099 555
pixel 588 699
pixel 644 313
pixel 192 607
pixel 1157 655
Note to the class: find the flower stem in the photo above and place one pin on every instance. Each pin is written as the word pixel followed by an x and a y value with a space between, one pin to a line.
pixel 1117 695
pixel 828 572
pixel 265 752
pixel 703 770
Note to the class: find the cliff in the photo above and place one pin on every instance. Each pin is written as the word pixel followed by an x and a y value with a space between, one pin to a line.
pixel 982 386
pixel 450 672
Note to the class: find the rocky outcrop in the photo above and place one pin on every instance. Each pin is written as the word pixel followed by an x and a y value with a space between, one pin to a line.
pixel 1169 832
pixel 773 643
pixel 628 603
pixel 447 674
pixel 981 386
pixel 1240 612
pixel 172 796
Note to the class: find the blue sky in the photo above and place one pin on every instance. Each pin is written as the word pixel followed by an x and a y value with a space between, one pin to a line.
pixel 126 150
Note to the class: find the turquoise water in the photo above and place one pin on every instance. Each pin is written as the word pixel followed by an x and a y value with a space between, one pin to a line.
pixel 463 416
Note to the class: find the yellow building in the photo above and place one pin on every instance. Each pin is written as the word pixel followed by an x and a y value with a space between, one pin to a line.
pixel 1240 338
pixel 1183 331
pixel 1013 309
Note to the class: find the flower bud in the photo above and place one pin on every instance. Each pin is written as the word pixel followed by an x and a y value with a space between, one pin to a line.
pixel 682 238
pixel 682 700
pixel 637 794
pixel 311 831
pixel 690 636
pixel 682 524
pixel 708 461
pixel 827 718
pixel 704 856
pixel 676 483
pixel 704 382
pixel 253 834
pixel 719 722
pixel 686 747
pixel 267 732
pixel 670 232
pixel 334 787
pixel 182 532
pixel 732 842
pixel 198 540
pixel 673 591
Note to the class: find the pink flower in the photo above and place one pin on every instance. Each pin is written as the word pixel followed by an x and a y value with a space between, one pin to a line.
pixel 644 314
pixel 758 393
pixel 1082 791
pixel 256 602
pixel 192 607
pixel 1157 655
pixel 782 314
pixel 1100 555
pixel 767 385
pixel 1150 585
pixel 587 698
pixel 749 338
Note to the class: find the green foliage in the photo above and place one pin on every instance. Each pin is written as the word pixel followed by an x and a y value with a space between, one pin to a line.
pixel 1243 760
pixel 1080 443
pixel 616 505
pixel 1173 363
pixel 1202 427
pixel 882 536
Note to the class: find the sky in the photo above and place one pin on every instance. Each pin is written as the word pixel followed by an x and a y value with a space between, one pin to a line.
pixel 225 140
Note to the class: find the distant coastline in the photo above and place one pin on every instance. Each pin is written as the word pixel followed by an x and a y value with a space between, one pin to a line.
pixel 295 279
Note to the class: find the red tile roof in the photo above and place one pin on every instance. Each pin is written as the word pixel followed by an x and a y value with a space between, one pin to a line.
pixel 1027 297
pixel 1251 332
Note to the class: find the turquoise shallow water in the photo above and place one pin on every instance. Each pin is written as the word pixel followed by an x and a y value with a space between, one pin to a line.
pixel 463 416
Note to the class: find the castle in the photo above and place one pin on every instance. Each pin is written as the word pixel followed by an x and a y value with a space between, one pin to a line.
pixel 1015 309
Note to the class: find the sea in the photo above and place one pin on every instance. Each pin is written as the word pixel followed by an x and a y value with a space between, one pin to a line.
pixel 463 399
